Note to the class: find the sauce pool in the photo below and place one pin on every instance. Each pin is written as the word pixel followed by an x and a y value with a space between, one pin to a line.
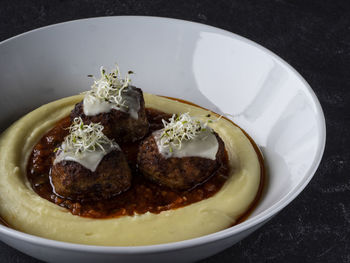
pixel 143 196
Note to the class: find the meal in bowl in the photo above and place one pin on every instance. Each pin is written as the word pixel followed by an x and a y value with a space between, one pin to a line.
pixel 119 167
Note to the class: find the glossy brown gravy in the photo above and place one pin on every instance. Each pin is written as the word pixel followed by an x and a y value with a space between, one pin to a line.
pixel 142 197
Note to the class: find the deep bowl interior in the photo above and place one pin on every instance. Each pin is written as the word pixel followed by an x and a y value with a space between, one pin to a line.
pixel 210 67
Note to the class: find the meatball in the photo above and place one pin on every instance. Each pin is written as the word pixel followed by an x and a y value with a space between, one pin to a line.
pixel 117 124
pixel 73 181
pixel 176 173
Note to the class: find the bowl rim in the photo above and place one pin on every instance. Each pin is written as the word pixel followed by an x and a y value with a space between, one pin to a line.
pixel 247 224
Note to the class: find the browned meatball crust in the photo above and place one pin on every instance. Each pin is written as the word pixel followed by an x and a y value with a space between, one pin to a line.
pixel 176 173
pixel 73 181
pixel 117 124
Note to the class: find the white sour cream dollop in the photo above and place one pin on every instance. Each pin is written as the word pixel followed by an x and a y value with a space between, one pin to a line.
pixel 85 144
pixel 89 160
pixel 93 106
pixel 205 145
pixel 112 92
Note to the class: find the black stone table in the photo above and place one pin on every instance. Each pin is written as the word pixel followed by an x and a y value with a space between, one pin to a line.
pixel 314 37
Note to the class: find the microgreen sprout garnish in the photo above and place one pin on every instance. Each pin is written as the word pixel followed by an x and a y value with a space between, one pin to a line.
pixel 110 88
pixel 179 129
pixel 86 138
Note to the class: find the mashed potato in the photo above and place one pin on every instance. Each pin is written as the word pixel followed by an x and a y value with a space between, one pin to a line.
pixel 24 210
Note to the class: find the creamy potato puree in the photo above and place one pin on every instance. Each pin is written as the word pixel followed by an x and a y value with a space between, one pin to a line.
pixel 24 210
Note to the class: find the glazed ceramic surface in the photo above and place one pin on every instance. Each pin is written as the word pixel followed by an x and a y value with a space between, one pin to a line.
pixel 208 66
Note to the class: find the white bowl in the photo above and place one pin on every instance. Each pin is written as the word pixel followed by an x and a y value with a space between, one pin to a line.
pixel 208 66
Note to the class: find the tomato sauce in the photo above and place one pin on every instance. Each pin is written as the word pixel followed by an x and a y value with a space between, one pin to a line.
pixel 143 196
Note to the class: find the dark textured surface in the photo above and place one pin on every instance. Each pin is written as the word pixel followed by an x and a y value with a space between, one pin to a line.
pixel 314 37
